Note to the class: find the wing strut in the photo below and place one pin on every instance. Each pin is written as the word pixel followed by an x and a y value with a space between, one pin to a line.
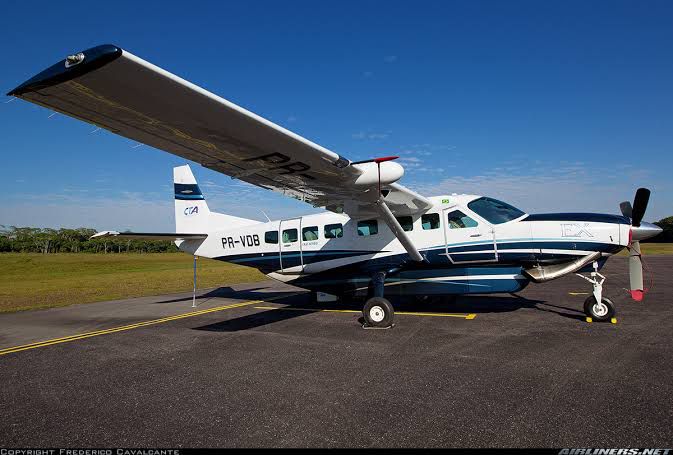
pixel 394 226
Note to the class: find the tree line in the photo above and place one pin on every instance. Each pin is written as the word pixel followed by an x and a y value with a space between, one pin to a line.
pixel 667 235
pixel 46 240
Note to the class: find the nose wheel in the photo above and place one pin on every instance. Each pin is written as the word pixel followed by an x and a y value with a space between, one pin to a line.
pixel 602 311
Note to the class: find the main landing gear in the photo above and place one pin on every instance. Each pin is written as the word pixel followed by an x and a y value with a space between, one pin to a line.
pixel 378 312
pixel 597 307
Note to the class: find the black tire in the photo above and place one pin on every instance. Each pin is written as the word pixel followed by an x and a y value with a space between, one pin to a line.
pixel 378 312
pixel 600 313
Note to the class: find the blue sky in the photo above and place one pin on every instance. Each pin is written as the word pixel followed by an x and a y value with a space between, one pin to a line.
pixel 552 106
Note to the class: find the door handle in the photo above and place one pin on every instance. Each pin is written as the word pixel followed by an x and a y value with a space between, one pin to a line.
pixel 475 235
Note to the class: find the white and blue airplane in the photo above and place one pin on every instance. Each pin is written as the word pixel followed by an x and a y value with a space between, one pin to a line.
pixel 375 237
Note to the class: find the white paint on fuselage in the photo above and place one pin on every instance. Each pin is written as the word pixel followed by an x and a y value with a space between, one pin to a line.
pixel 386 244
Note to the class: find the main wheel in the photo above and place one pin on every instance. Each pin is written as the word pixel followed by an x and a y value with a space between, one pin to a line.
pixel 378 312
pixel 601 312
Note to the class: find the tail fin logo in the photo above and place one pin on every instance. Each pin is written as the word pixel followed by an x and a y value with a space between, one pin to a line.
pixel 189 211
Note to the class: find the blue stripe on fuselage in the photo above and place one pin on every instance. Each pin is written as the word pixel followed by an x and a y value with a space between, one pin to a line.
pixel 470 251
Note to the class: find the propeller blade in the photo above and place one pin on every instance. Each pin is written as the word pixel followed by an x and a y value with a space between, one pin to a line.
pixel 636 271
pixel 640 205
pixel 626 209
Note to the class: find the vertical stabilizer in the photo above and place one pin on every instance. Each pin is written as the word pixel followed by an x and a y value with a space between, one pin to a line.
pixel 192 214
pixel 191 210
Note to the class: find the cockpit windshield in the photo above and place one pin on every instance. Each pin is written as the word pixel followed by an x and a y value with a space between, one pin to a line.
pixel 494 211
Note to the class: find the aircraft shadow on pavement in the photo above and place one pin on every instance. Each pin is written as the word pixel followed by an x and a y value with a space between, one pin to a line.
pixel 228 292
pixel 266 317
pixel 482 304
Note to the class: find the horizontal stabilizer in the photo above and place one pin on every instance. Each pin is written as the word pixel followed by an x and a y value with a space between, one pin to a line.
pixel 148 235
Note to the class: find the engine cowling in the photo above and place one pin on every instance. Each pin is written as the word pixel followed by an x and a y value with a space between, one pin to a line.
pixel 391 172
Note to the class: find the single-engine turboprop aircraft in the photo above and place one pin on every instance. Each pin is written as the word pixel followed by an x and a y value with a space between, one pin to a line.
pixel 376 236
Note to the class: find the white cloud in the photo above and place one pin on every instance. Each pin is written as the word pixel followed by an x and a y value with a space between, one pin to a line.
pixel 571 188
pixel 390 58
pixel 143 211
pixel 370 135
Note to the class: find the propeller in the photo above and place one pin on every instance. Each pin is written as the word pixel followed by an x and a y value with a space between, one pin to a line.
pixel 636 212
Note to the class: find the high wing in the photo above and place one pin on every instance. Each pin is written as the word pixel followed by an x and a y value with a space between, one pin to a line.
pixel 113 89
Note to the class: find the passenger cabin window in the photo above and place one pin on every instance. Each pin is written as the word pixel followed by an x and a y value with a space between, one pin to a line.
pixel 309 233
pixel 289 235
pixel 368 227
pixel 430 221
pixel 406 222
pixel 494 211
pixel 458 220
pixel 271 237
pixel 333 231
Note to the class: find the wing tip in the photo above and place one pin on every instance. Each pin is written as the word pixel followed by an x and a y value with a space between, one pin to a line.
pixel 94 58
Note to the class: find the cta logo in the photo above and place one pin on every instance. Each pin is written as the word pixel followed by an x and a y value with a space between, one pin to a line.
pixel 189 211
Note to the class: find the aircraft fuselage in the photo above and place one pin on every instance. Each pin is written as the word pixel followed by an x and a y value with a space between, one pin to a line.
pixel 464 252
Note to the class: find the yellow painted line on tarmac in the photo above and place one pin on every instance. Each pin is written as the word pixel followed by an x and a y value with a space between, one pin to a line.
pixel 406 313
pixel 578 293
pixel 81 336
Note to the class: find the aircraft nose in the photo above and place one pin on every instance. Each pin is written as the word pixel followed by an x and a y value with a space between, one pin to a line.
pixel 644 231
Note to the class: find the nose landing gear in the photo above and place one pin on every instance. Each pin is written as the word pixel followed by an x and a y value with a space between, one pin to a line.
pixel 597 307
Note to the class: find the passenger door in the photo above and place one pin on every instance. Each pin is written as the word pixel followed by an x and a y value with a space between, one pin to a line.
pixel 467 240
pixel 291 260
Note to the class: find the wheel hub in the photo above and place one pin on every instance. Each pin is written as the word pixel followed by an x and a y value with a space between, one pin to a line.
pixel 600 309
pixel 376 313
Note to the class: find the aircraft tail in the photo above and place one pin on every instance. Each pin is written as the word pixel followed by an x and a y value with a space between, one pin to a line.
pixel 191 210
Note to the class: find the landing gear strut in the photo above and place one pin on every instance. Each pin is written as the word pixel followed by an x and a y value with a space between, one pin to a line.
pixel 378 312
pixel 597 307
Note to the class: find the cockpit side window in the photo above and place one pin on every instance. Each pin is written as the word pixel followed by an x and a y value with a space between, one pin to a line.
pixel 494 211
pixel 458 220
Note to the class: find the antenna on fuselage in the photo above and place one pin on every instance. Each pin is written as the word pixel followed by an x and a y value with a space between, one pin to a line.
pixel 265 215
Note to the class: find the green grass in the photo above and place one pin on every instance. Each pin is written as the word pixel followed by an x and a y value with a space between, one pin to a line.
pixel 30 281
pixel 652 248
